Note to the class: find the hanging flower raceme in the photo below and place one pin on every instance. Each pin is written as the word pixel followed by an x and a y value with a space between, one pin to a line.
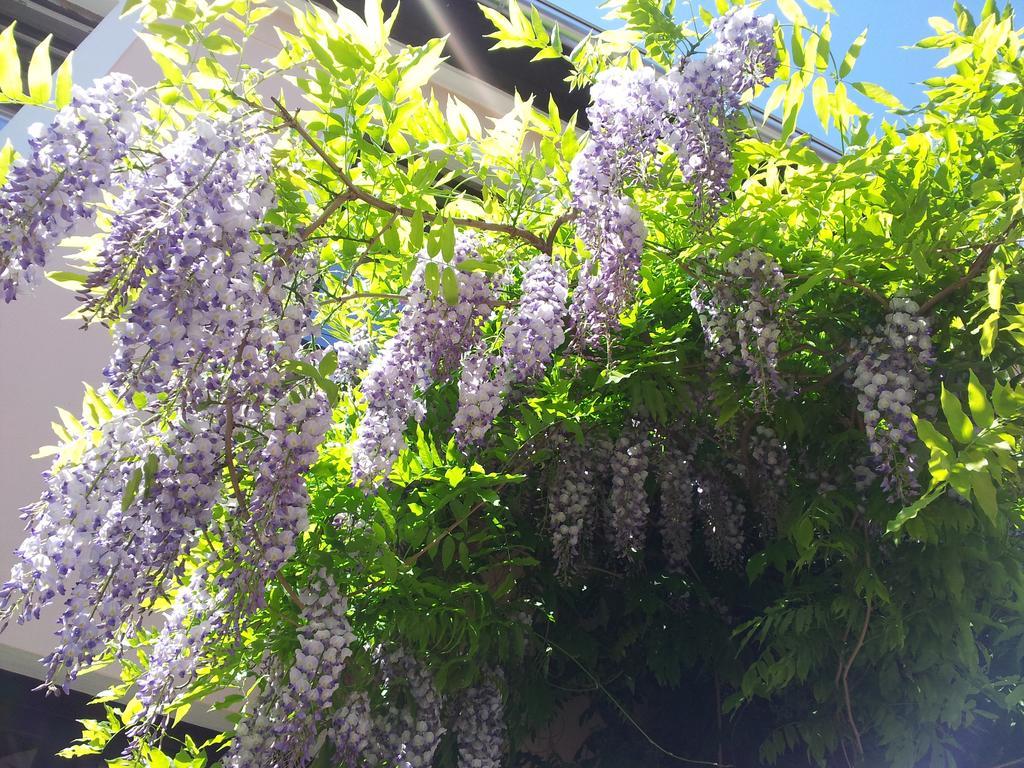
pixel 741 314
pixel 409 730
pixel 110 529
pixel 480 726
pixel 625 117
pixel 536 329
pixel 688 109
pixel 723 515
pixel 73 160
pixel 627 504
pixel 351 730
pixel 677 484
pixel 571 499
pixel 182 269
pixel 533 331
pixel 429 344
pixel 769 465
pixel 703 95
pixel 280 731
pixel 482 389
pixel 890 377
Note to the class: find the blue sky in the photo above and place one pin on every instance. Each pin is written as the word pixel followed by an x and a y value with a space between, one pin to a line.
pixel 891 24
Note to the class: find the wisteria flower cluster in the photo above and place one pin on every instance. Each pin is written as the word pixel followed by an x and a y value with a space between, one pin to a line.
pixel 409 731
pixel 741 315
pixel 208 326
pixel 769 462
pixel 723 514
pixel 281 731
pixel 533 331
pixel 73 160
pixel 625 115
pixel 480 725
pixel 688 109
pixel 677 493
pixel 571 501
pixel 890 377
pixel 353 357
pixel 628 509
pixel 108 530
pixel 703 95
pixel 431 339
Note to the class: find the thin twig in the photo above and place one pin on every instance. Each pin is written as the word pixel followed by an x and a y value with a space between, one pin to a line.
pixel 849 664
pixel 1011 764
pixel 409 561
pixel 371 199
pixel 622 709
pixel 290 591
pixel 229 458
pixel 361 295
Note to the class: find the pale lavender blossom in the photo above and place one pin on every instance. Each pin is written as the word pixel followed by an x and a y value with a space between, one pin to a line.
pixel 891 377
pixel 73 160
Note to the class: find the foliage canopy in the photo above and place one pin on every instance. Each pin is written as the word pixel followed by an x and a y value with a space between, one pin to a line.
pixel 848 618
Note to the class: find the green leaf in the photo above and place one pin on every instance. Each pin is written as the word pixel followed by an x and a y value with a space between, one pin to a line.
pixel 996 280
pixel 450 286
pixel 846 66
pixel 878 94
pixel 980 407
pixel 222 44
pixel 959 424
pixel 942 453
pixel 822 104
pixel 447 552
pixel 10 65
pixel 985 495
pixel 909 513
pixel 791 10
pixel 62 97
pixel 73 281
pixel 416 231
pixel 40 75
pixel 989 332
pixel 432 278
pixel 131 489
pixel 821 5
pixel 447 240
pixel 1008 402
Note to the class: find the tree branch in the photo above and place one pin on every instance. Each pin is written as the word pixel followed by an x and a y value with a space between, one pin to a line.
pixel 359 193
pixel 979 265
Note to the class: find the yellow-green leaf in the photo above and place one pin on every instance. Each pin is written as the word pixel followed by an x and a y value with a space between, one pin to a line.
pixel 878 94
pixel 791 10
pixel 10 65
pixel 989 331
pixel 822 103
pixel 996 279
pixel 985 495
pixel 942 452
pixel 450 286
pixel 40 75
pixel 846 66
pixel 959 424
pixel 64 83
pixel 981 408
